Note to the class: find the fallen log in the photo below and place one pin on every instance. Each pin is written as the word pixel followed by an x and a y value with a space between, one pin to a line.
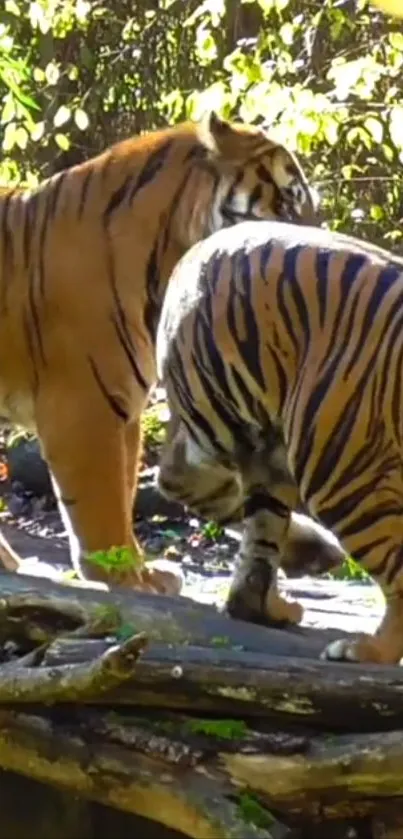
pixel 288 690
pixel 215 727
pixel 280 684
pixel 179 620
pixel 197 779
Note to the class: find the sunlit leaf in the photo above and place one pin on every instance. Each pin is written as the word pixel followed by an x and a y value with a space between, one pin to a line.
pixel 12 8
pixel 396 40
pixel 52 73
pixel 61 116
pixel 376 212
pixel 8 112
pixel 37 131
pixel 9 136
pixel 375 128
pixel 83 9
pixel 396 125
pixel 62 141
pixel 21 137
pixel 287 33
pixel 81 119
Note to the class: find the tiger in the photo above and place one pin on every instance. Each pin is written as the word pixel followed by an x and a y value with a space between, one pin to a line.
pixel 281 351
pixel 85 259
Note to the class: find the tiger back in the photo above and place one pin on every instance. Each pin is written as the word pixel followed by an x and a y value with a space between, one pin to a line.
pixel 281 349
pixel 84 262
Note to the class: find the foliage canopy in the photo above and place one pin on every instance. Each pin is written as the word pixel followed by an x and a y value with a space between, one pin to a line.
pixel 75 75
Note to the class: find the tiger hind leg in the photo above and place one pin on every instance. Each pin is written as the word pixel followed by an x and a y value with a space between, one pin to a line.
pixel 163 576
pixel 253 594
pixel 384 563
pixel 85 446
pixel 9 559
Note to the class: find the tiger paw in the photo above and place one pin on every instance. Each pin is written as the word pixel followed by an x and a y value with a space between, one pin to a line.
pixel 164 576
pixel 362 650
pixel 282 611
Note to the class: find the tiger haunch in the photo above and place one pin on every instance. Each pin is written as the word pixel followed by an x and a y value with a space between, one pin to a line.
pixel 281 350
pixel 84 263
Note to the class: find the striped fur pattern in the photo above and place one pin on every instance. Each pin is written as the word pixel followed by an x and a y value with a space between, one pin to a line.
pixel 281 349
pixel 84 263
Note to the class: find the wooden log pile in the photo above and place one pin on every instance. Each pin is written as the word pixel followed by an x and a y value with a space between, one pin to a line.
pixel 166 709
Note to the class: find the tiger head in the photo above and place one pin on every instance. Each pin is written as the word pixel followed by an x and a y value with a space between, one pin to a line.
pixel 253 178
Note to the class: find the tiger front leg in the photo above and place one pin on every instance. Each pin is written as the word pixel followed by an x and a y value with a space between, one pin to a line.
pixel 84 443
pixel 253 594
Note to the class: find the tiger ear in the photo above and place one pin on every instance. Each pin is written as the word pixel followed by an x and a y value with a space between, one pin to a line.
pixel 214 130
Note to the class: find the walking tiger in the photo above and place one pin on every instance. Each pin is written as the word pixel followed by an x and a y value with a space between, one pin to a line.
pixel 84 263
pixel 281 349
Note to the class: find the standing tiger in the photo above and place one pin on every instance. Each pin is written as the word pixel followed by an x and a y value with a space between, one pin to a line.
pixel 84 262
pixel 281 348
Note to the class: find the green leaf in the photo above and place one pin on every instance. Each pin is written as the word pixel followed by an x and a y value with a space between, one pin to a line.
pixel 396 126
pixel 287 33
pixel 396 40
pixel 9 136
pixel 8 112
pixel 376 212
pixel 21 137
pixel 62 141
pixel 37 131
pixel 52 73
pixel 61 116
pixel 375 128
pixel 12 8
pixel 81 119
pixel 330 128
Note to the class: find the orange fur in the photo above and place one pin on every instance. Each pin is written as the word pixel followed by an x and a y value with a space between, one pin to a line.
pixel 84 263
pixel 281 350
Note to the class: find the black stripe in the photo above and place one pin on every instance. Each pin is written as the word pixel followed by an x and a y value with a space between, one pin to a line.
pixel 128 348
pixel 111 400
pixel 240 301
pixel 29 212
pixel 385 281
pixel 290 274
pixel 55 190
pixel 369 519
pixel 31 350
pixel 261 500
pixel 396 406
pixel 84 192
pixel 8 250
pixel 282 379
pixel 152 309
pixel 335 513
pixel 264 175
pixel 330 453
pixel 35 314
pixel 154 163
pixel 322 278
pixel 191 417
pixel 362 552
pixel 396 566
pixel 117 198
pixel 347 281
